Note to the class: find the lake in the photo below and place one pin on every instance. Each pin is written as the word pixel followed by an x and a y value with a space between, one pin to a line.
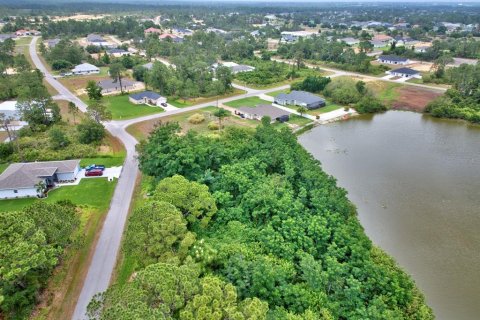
pixel 416 183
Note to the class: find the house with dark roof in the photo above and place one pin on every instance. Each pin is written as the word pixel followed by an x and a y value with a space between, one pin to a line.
pixel 97 40
pixel 405 73
pixel 300 98
pixel 5 36
pixel 112 86
pixel 21 180
pixel 147 97
pixel 117 52
pixel 390 59
pixel 263 110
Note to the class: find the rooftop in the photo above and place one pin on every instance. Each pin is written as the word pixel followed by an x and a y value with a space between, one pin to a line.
pixel 145 94
pixel 405 71
pixel 393 58
pixel 263 110
pixel 27 175
pixel 300 96
pixel 112 84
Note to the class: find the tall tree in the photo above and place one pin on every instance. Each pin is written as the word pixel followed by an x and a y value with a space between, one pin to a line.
pixel 117 71
pixel 94 91
pixel 98 112
pixel 73 110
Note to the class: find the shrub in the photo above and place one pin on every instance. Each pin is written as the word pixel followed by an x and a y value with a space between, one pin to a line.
pixel 213 126
pixel 90 132
pixel 369 104
pixel 196 118
pixel 6 149
pixel 343 91
pixel 61 64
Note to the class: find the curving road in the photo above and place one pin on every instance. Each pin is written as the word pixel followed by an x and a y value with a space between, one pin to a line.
pixel 108 245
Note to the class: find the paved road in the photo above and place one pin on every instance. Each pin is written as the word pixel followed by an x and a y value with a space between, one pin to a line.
pixel 105 255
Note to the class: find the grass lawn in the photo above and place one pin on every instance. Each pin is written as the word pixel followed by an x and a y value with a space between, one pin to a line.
pixel 122 108
pixel 142 130
pixel 247 102
pixel 299 121
pixel 180 103
pixel 23 41
pixel 275 93
pixel 95 193
pixel 3 166
pixel 107 161
pixel 387 92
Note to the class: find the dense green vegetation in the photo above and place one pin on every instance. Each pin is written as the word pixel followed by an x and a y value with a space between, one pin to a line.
pixel 338 54
pixel 32 242
pixel 247 219
pixel 460 102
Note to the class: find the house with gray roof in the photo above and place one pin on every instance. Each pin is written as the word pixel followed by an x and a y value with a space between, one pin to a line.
pixel 263 110
pixel 112 86
pixel 21 180
pixel 405 73
pixel 241 68
pixel 85 68
pixel 147 97
pixel 51 43
pixel 300 98
pixel 117 52
pixel 97 40
pixel 5 36
pixel 391 59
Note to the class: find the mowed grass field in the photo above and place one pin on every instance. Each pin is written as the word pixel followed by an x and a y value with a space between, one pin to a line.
pixel 181 103
pixel 247 102
pixel 122 108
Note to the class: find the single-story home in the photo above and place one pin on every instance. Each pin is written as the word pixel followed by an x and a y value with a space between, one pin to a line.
pixel 117 52
pixel 390 59
pixel 22 179
pixel 263 110
pixel 5 36
pixel 9 109
pixel 383 38
pixel 24 33
pixel 350 41
pixel 234 67
pixel 51 43
pixel 147 97
pixel 85 68
pixel 170 36
pixel 110 85
pixel 97 40
pixel 152 30
pixel 377 43
pixel 300 98
pixel 405 73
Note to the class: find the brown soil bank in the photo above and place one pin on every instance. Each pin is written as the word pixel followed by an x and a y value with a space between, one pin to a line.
pixel 413 98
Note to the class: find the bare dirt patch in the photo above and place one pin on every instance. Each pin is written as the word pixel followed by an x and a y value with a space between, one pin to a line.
pixel 413 98
pixel 421 66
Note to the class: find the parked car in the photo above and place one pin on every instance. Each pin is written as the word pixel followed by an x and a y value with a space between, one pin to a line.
pixel 94 173
pixel 163 104
pixel 95 166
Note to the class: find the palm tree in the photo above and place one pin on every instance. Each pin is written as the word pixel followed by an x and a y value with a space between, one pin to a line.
pixel 73 109
pixel 221 113
pixel 40 188
pixel 302 110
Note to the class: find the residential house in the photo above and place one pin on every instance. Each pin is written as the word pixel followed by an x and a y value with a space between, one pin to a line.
pixel 85 68
pixel 263 110
pixel 117 52
pixel 25 33
pixel 97 40
pixel 272 20
pixel 170 36
pixel 256 33
pixel 21 180
pixel 112 86
pixel 216 31
pixel 390 59
pixel 9 109
pixel 293 36
pixel 300 98
pixel 5 36
pixel 378 44
pixel 350 41
pixel 405 73
pixel 51 43
pixel 181 32
pixel 147 97
pixel 383 38
pixel 153 31
pixel 234 67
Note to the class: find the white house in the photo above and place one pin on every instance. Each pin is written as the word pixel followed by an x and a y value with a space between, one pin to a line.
pixel 405 73
pixel 21 180
pixel 147 97
pixel 389 59
pixel 97 40
pixel 85 68
pixel 263 110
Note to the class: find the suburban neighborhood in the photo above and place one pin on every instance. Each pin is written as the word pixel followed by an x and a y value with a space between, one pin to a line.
pixel 152 152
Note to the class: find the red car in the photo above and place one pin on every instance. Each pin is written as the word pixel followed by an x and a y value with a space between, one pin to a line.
pixel 94 173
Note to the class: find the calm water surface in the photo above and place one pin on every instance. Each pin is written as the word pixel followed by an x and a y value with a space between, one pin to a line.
pixel 416 183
